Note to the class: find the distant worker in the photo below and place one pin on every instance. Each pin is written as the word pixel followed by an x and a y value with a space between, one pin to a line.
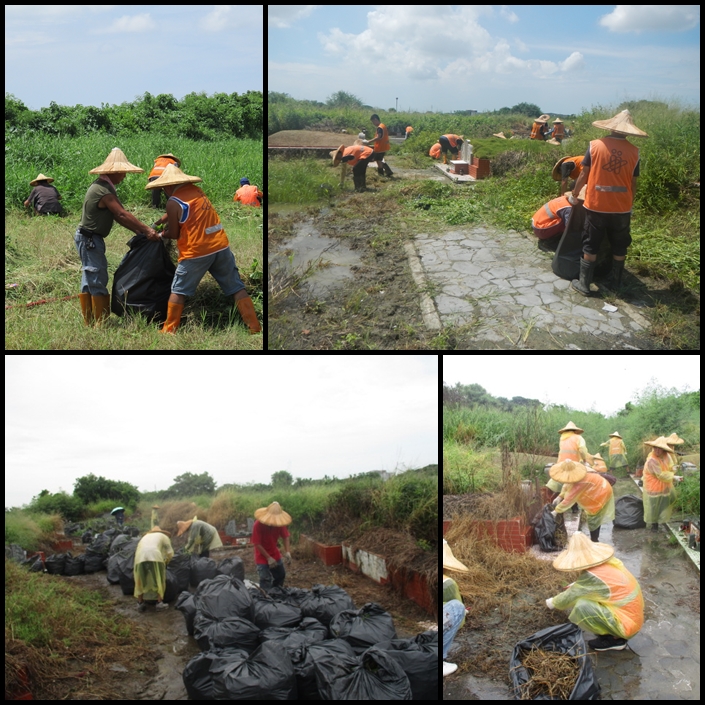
pixel 539 130
pixel 153 553
pixel 248 194
pixel 381 146
pixel 610 170
pixel 409 130
pixel 567 168
pixel 558 132
pixel 617 452
pixel 435 151
pixel 270 526
pixel 44 198
pixel 452 144
pixel 202 537
pixel 119 514
pixel 161 163
pixel 659 493
pixel 155 516
pixel 358 157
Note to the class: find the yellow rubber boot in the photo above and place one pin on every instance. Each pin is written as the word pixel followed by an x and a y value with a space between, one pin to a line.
pixel 247 311
pixel 86 308
pixel 445 158
pixel 173 318
pixel 101 308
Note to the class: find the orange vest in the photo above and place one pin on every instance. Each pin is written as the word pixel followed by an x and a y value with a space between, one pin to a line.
pixel 578 166
pixel 617 446
pixel 453 139
pixel 537 130
pixel 559 130
pixel 435 151
pixel 658 478
pixel 247 195
pixel 569 448
pixel 201 232
pixel 358 151
pixel 382 144
pixel 609 187
pixel 160 164
pixel 549 214
pixel 591 493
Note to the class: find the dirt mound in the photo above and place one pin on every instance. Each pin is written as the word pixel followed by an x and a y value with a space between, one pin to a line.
pixel 307 138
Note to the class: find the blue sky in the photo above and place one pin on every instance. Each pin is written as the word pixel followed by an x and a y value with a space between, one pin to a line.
pixel 93 54
pixel 484 57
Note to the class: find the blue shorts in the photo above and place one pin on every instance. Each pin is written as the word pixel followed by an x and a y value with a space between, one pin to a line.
pixel 221 265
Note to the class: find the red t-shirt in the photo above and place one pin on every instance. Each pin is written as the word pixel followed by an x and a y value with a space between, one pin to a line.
pixel 267 537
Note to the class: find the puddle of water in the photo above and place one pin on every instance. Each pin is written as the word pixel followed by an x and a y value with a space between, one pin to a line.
pixel 306 247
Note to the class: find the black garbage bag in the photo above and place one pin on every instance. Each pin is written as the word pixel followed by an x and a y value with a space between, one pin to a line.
pixel 186 605
pixel 87 536
pixel 197 675
pixel 142 282
pixel 266 674
pixel 224 632
pixel 545 530
pixel 418 658
pixel 629 512
pixel 325 601
pixel 234 567
pixel 202 569
pixel 363 628
pixel 375 676
pixel 56 564
pixel 273 613
pixel 74 564
pixel 224 597
pixel 334 655
pixel 118 543
pixel 34 564
pixel 125 565
pixel 177 576
pixel 565 638
pixel 97 552
pixel 292 595
pixel 309 631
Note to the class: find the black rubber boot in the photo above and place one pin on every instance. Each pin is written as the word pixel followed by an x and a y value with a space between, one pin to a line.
pixel 615 280
pixel 587 269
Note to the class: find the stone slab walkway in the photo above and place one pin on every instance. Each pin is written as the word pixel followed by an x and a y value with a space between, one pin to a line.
pixel 502 286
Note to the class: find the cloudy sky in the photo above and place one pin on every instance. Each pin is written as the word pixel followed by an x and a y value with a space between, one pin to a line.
pixel 603 383
pixel 484 57
pixel 93 54
pixel 146 419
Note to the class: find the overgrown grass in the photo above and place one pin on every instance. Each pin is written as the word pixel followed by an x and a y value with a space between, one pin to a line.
pixel 301 181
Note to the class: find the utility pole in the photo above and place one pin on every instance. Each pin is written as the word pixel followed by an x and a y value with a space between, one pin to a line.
pixel 397 106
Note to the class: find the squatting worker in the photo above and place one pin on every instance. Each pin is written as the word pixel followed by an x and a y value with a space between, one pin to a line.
pixel 452 144
pixel 248 194
pixel 567 168
pixel 203 247
pixel 270 526
pixel 572 447
pixel 539 130
pixel 558 132
pixel 161 163
pixel 605 599
pixel 381 146
pixel 358 157
pixel 453 608
pixel 101 208
pixel 552 218
pixel 610 170
pixel 153 553
pixel 659 492
pixel 617 452
pixel 202 537
pixel 588 489
pixel 44 198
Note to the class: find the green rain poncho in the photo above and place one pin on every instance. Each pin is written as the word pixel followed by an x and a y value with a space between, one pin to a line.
pixel 594 496
pixel 154 551
pixel 659 493
pixel 202 537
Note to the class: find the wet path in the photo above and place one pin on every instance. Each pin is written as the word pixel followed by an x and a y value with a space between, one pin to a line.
pixel 501 285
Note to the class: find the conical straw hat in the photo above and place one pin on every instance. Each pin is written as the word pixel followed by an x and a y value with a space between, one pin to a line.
pixel 570 426
pixel 116 163
pixel 621 123
pixel 338 155
pixel 156 529
pixel 674 440
pixel 273 515
pixel 557 120
pixel 173 156
pixel 660 442
pixel 567 471
pixel 41 177
pixel 450 562
pixel 543 118
pixel 172 176
pixel 582 553
pixel 556 173
pixel 615 434
pixel 499 134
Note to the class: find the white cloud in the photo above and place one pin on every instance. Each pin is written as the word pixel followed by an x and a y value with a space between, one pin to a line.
pixel 508 14
pixel 635 18
pixel 286 15
pixel 575 62
pixel 134 23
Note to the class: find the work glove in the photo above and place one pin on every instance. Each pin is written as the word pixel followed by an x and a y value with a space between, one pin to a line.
pixel 271 562
pixel 554 513
pixel 556 501
pixel 549 604
pixel 287 557
pixel 572 200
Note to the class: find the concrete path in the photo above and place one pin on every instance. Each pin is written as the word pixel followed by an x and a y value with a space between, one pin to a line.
pixel 502 285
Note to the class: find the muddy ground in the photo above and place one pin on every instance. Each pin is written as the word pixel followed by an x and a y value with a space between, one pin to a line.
pixel 160 678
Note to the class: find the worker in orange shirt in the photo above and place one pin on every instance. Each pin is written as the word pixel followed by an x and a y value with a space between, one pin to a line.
pixel 358 157
pixel 161 163
pixel 452 143
pixel 248 194
pixel 381 146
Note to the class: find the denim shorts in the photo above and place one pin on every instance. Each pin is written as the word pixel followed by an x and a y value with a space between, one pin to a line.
pixel 221 265
pixel 94 265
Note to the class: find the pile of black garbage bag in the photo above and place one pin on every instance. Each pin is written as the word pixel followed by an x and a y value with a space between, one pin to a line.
pixel 296 644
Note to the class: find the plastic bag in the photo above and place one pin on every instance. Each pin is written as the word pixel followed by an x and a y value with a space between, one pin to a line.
pixel 418 658
pixel 97 552
pixel 234 567
pixel 266 674
pixel 224 597
pixel 186 605
pixel 334 655
pixel 225 631
pixel 177 572
pixel 197 675
pixel 376 676
pixel 309 631
pixel 292 595
pixel 74 565
pixel 565 638
pixel 363 628
pixel 324 602
pixel 629 512
pixel 545 530
pixel 273 613
pixel 202 569
pixel 142 282
pixel 125 564
pixel 34 564
pixel 56 564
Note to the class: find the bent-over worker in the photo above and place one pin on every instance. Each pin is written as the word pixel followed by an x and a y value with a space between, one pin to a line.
pixel 153 553
pixel 248 194
pixel 270 526
pixel 452 144
pixel 358 157
pixel 202 536
pixel 539 130
pixel 567 168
